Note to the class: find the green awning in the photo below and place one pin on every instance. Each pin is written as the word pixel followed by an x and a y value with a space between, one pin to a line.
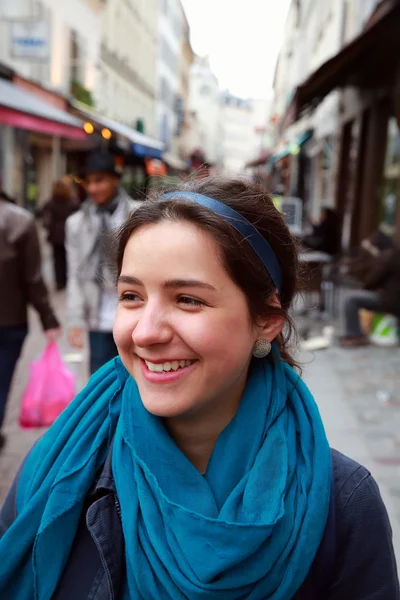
pixel 292 148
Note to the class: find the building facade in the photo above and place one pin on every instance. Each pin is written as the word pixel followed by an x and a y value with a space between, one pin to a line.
pixel 343 90
pixel 126 83
pixel 169 100
pixel 52 42
pixel 205 108
pixel 260 140
pixel 51 49
pixel 314 32
pixel 244 131
pixel 183 105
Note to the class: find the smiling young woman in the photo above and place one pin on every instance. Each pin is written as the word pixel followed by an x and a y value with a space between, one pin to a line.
pixel 195 465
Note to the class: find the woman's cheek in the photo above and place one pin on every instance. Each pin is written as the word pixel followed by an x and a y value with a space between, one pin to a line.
pixel 205 335
pixel 122 328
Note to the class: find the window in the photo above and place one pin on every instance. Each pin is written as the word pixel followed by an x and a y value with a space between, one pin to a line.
pixel 391 175
pixel 205 90
pixel 105 92
pixel 117 26
pixel 168 56
pixel 178 27
pixel 74 54
pixel 166 94
pixel 163 90
pixel 297 17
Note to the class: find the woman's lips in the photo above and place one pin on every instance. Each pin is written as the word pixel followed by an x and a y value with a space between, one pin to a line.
pixel 166 371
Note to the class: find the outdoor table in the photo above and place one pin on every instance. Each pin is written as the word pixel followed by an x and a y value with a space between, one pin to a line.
pixel 313 264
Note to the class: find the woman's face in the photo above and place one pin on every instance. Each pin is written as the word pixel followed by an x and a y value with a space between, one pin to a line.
pixel 182 327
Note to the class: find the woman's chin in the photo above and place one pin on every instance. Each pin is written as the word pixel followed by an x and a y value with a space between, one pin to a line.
pixel 163 408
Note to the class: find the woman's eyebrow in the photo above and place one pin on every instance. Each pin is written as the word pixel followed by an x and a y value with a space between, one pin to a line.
pixel 182 283
pixel 170 283
pixel 129 280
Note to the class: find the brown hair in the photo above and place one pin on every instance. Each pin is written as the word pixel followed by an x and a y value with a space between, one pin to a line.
pixel 238 258
pixel 62 191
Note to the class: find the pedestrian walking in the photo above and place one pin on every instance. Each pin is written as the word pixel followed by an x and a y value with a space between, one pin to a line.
pixel 91 295
pixel 21 285
pixel 195 465
pixel 55 214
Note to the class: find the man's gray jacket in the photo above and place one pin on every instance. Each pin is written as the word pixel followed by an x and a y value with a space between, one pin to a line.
pixel 82 237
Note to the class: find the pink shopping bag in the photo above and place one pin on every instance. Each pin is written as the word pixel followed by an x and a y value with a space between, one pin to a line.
pixel 51 387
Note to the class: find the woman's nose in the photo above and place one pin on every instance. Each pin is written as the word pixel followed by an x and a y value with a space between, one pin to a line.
pixel 151 328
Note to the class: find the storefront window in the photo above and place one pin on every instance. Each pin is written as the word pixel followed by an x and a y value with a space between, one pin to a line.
pixel 391 177
pixel 2 151
pixel 31 179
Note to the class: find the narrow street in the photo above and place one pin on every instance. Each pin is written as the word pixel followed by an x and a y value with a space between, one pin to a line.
pixel 357 392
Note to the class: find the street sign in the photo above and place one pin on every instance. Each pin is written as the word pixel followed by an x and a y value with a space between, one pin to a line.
pixel 29 40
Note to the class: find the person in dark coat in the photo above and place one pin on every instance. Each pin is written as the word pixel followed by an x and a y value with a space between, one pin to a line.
pixel 381 294
pixel 55 214
pixel 22 284
pixel 325 234
pixel 359 266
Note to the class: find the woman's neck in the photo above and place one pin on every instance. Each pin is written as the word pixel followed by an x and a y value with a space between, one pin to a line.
pixel 196 434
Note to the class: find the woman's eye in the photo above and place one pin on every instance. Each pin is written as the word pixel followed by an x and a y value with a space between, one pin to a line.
pixel 190 301
pixel 129 297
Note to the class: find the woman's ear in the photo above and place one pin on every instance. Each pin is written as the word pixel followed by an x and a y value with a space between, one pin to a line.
pixel 273 325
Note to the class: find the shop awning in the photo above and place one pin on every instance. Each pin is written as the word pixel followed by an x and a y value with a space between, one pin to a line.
pixel 141 145
pixel 363 62
pixel 292 148
pixel 21 109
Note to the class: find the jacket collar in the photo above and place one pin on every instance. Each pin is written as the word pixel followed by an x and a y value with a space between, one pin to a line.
pixel 105 481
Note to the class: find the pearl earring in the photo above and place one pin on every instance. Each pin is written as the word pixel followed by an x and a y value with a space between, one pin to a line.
pixel 261 348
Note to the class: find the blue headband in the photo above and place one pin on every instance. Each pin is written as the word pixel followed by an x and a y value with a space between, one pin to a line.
pixel 242 226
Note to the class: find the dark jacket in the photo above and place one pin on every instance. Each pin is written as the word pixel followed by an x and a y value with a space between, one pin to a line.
pixel 325 237
pixel 55 214
pixel 384 277
pixel 362 567
pixel 21 281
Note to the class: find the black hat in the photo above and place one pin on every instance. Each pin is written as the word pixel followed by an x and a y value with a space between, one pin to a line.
pixel 101 163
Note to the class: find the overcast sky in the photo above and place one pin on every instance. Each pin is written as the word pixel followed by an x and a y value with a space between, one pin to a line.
pixel 242 39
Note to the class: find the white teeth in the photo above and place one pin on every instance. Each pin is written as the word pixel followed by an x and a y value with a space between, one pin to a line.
pixel 167 366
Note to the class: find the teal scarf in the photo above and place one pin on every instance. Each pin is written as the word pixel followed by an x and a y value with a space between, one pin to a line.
pixel 249 528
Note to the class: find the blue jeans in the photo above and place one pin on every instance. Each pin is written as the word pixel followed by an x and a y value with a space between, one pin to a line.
pixel 102 349
pixel 356 300
pixel 11 342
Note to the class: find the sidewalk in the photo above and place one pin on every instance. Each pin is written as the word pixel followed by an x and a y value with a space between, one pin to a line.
pixel 351 388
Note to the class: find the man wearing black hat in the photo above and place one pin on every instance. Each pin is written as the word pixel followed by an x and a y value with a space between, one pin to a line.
pixel 91 293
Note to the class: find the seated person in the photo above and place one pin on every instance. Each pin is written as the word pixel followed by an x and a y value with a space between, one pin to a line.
pixel 381 294
pixel 325 234
pixel 359 266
